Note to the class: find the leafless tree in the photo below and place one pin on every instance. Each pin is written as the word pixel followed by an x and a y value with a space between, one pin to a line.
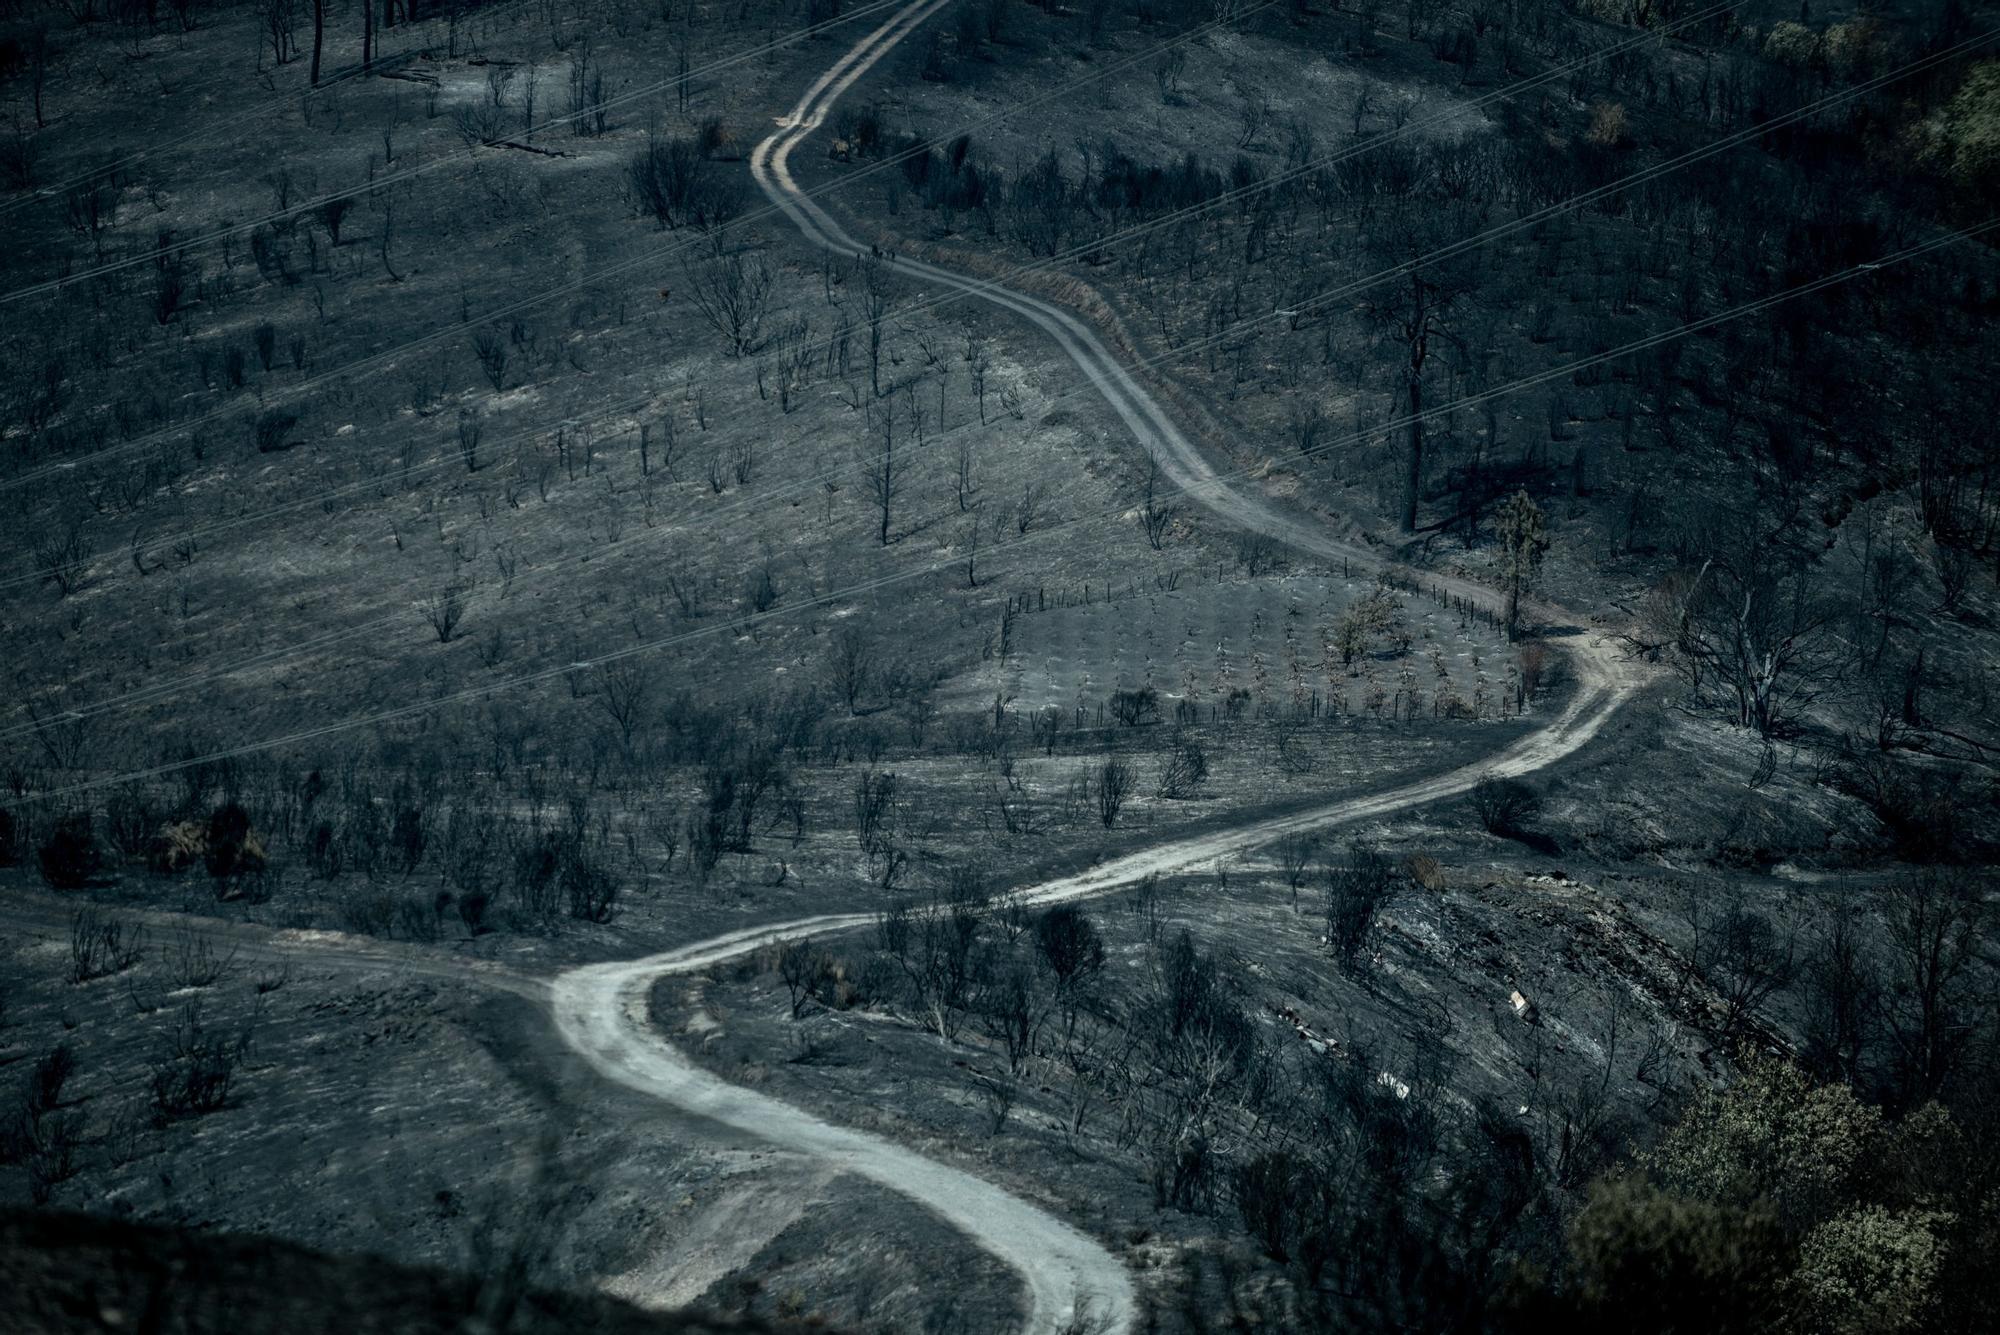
pixel 1416 321
pixel 1030 511
pixel 1935 921
pixel 386 241
pixel 1009 1014
pixel 874 807
pixel 1356 888
pixel 734 295
pixel 587 114
pixel 280 29
pixel 62 553
pixel 1114 784
pixel 468 439
pixel 1295 855
pixel 1753 629
pixel 850 667
pixel 805 969
pixel 798 353
pixel 883 482
pixel 962 482
pixel 1841 991
pixel 624 690
pixel 319 36
pixel 875 313
pixel 1750 961
pixel 663 178
pixel 40 58
pixel 491 347
pixel 442 612
pixel 1184 770
pixel 1156 510
pixel 669 446
pixel 1072 949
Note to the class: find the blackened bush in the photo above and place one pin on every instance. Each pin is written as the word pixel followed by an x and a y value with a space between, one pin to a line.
pixel 274 431
pixel 408 836
pixel 1183 1173
pixel 194 962
pixel 1184 770
pixel 323 851
pixel 50 1150
pixel 1355 892
pixel 1922 813
pixel 592 890
pixel 1266 1190
pixel 100 946
pixel 1505 806
pixel 1196 998
pixel 71 858
pixel 936 67
pixel 537 867
pixel 46 1080
pixel 805 969
pixel 1133 708
pixel 130 824
pixel 669 179
pixel 37 1134
pixel 472 908
pixel 227 845
pixel 195 1068
pixel 1114 785
pixel 1070 943
pixel 555 872
pixel 422 919
pixel 9 839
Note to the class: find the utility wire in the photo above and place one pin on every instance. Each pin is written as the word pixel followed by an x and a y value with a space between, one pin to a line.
pixel 740 624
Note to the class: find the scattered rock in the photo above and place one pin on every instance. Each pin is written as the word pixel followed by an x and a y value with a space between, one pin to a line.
pixel 1524 1009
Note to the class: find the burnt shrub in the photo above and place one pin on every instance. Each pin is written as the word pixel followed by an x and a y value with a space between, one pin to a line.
pixel 50 1074
pixel 1505 806
pixel 1267 1191
pixel 38 1133
pixel 71 858
pixel 1135 707
pixel 591 889
pixel 101 946
pixel 195 1067
pixel 1070 944
pixel 1923 815
pixel 232 850
pixel 408 837
pixel 1184 770
pixel 472 909
pixel 557 873
pixel 1356 889
pixel 324 852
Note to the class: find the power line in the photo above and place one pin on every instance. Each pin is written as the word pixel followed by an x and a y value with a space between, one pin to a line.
pixel 1136 230
pixel 387 356
pixel 1216 481
pixel 1450 250
pixel 1345 289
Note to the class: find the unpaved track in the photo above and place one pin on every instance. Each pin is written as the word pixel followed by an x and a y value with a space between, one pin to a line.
pixel 603 1010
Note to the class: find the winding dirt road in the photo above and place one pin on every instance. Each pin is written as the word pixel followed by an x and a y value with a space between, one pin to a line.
pixel 602 1010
